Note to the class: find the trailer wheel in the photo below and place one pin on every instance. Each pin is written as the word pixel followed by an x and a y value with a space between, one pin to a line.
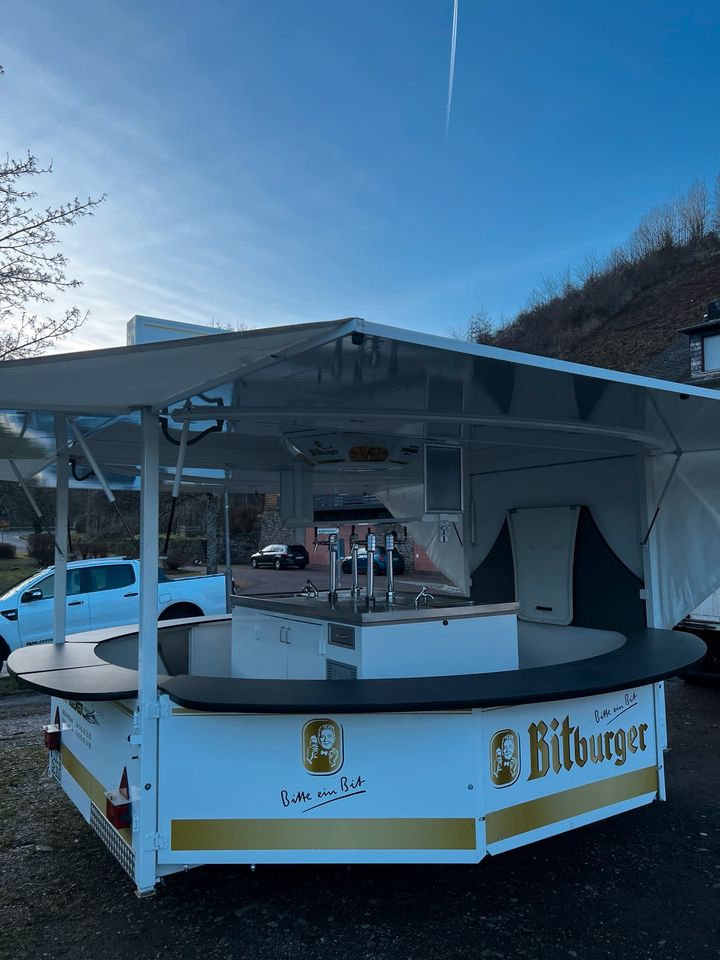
pixel 180 611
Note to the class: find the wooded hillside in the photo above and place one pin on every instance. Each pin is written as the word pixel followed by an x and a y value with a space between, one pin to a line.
pixel 625 310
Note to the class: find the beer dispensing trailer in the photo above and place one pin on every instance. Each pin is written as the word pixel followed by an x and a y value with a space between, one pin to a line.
pixel 574 512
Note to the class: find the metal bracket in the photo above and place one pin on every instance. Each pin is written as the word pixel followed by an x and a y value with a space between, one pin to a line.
pixel 156 841
pixel 158 709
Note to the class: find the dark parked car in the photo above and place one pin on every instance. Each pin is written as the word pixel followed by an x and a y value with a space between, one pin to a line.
pixel 379 563
pixel 280 555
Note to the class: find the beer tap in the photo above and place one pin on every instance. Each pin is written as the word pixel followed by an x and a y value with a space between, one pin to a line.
pixel 355 543
pixel 370 546
pixel 333 545
pixel 389 551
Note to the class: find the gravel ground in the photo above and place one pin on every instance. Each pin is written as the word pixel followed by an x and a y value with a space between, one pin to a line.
pixel 642 885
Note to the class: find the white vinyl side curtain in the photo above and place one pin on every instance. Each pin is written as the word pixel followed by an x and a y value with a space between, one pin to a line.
pixel 610 488
pixel 686 532
pixel 447 555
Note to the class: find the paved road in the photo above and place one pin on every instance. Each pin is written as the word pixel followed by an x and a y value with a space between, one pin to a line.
pixel 18 538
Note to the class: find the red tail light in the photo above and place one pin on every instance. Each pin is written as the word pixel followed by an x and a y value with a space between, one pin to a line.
pixel 52 736
pixel 118 806
pixel 52 732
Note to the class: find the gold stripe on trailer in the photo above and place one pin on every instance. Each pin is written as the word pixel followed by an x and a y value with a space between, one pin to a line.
pixel 342 834
pixel 187 712
pixel 90 785
pixel 122 707
pixel 534 814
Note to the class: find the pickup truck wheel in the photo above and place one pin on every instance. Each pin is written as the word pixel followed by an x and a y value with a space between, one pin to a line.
pixel 180 611
pixel 278 565
pixel 4 652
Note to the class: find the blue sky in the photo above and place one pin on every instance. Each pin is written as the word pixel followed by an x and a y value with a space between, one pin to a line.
pixel 279 162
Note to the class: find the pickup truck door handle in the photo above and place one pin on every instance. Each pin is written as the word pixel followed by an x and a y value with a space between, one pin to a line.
pixel 130 594
pixel 76 603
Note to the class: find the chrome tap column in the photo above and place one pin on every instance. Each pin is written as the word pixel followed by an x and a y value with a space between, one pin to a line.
pixel 389 549
pixel 354 547
pixel 371 544
pixel 333 547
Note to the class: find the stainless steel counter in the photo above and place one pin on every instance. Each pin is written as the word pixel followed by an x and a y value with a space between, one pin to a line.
pixel 356 612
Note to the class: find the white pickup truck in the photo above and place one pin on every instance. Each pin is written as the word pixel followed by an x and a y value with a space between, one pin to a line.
pixel 100 593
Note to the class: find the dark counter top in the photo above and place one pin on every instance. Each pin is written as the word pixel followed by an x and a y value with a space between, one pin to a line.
pixel 356 612
pixel 77 670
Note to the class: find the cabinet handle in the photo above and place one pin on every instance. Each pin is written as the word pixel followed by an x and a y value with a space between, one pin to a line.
pixel 287 632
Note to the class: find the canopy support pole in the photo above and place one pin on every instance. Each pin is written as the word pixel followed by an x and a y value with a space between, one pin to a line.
pixel 31 500
pixel 26 490
pixel 148 707
pixel 61 531
pixel 176 483
pixel 101 480
pixel 678 454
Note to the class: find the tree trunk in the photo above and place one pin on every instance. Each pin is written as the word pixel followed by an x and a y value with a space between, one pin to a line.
pixel 211 521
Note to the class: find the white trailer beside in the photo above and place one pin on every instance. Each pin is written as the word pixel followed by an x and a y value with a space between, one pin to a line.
pixel 570 506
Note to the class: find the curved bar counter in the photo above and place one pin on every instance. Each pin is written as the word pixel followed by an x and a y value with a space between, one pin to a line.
pixel 94 666
pixel 383 769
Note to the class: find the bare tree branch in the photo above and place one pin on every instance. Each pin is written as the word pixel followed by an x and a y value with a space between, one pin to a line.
pixel 32 271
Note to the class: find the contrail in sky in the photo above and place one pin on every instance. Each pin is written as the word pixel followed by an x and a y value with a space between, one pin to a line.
pixel 453 45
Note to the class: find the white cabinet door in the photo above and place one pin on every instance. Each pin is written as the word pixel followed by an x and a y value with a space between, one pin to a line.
pixel 305 643
pixel 266 647
pixel 256 648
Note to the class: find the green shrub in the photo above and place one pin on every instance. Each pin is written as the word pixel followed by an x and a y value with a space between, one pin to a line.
pixel 181 551
pixel 89 549
pixel 7 551
pixel 41 547
pixel 244 517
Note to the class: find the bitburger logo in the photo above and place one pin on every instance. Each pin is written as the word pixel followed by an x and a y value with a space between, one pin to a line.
pixel 560 746
pixel 322 746
pixel 504 757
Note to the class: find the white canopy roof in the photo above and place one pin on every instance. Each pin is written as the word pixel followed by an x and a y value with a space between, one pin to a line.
pixel 351 385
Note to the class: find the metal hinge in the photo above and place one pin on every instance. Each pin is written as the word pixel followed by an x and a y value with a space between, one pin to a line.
pixel 156 841
pixel 158 709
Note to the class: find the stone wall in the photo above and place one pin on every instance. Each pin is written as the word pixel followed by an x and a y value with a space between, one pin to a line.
pixel 696 355
pixel 273 529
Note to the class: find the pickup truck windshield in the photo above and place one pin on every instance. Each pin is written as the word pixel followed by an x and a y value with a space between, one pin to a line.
pixel 47 585
pixel 73 587
pixel 18 586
